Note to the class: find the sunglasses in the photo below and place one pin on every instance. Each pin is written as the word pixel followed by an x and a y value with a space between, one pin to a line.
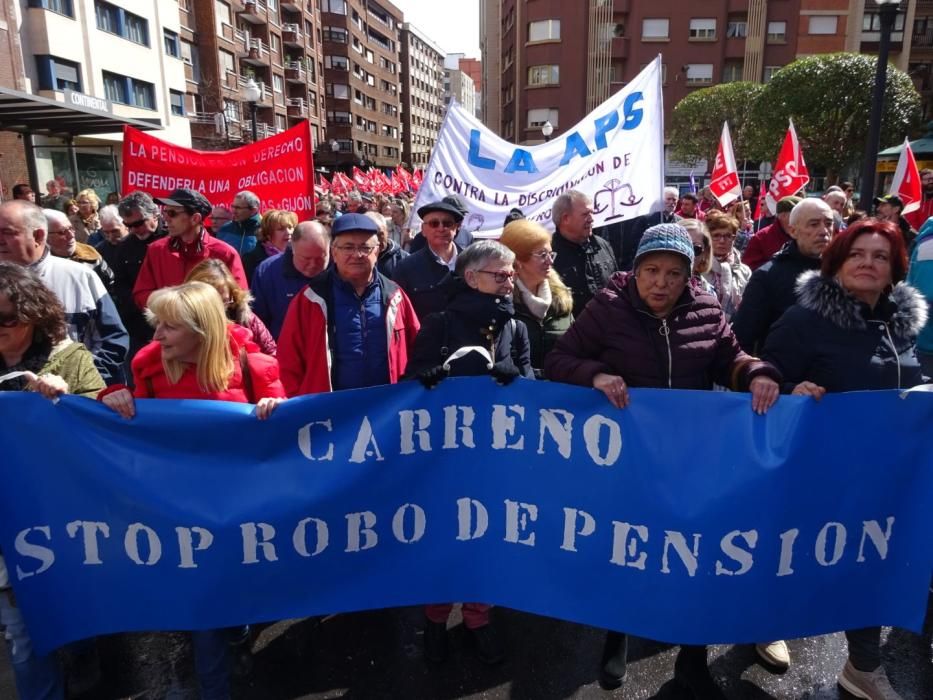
pixel 699 250
pixel 9 321
pixel 134 224
pixel 171 213
pixel 435 223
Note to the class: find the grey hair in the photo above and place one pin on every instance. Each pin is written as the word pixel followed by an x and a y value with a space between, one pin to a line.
pixel 563 204
pixel 477 254
pixel 252 201
pixel 355 196
pixel 32 214
pixel 311 229
pixel 671 190
pixel 800 208
pixel 138 201
pixel 109 213
pixel 55 215
pixel 379 220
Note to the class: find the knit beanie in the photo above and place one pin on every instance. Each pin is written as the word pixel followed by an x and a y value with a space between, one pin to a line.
pixel 666 238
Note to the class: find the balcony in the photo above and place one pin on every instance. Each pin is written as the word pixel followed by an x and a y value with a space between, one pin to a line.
pixel 923 40
pixel 258 53
pixel 297 107
pixel 293 5
pixel 255 12
pixel 241 42
pixel 620 47
pixel 265 99
pixel 291 35
pixel 215 127
pixel 294 72
pixel 231 82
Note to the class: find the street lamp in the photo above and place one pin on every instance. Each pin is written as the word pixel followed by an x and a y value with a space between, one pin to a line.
pixel 252 94
pixel 546 130
pixel 334 148
pixel 887 12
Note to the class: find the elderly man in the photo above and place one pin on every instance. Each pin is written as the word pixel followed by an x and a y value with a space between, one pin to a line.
pixel 390 252
pixel 463 239
pixel 63 244
pixel 242 234
pixel 354 203
pixel 771 238
pixel 54 197
pixel 89 311
pixel 423 273
pixel 772 287
pixel 584 261
pixel 221 215
pixel 278 279
pixel 113 232
pixel 351 327
pixel 169 260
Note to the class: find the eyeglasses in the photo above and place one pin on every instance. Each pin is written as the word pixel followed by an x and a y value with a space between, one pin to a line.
pixel 355 249
pixel 440 223
pixel 65 231
pixel 499 275
pixel 9 321
pixel 699 249
pixel 543 255
pixel 722 236
pixel 240 206
pixel 134 224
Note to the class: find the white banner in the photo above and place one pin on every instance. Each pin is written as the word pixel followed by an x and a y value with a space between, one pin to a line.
pixel 615 155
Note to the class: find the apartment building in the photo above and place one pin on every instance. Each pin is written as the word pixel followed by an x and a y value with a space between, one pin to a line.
pixel 223 44
pixel 460 87
pixel 361 46
pixel 119 59
pixel 422 73
pixel 473 67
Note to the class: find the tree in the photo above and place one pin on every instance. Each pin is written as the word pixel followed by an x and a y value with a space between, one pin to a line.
pixel 696 123
pixel 829 97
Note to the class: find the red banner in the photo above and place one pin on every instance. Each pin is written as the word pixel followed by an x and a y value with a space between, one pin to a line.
pixel 278 169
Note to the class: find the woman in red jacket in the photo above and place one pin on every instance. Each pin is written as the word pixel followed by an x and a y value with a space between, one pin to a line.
pixel 197 354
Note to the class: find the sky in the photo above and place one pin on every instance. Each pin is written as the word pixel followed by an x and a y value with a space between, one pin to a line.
pixel 453 26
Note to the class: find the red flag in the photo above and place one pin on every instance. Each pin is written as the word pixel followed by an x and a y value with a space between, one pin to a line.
pixel 790 174
pixel 339 184
pixel 725 184
pixel 404 176
pixel 417 178
pixel 324 185
pixel 761 198
pixel 906 182
pixel 362 180
pixel 380 181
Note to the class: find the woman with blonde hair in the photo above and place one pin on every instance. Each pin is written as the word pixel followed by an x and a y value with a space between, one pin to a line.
pixel 236 301
pixel 275 230
pixel 197 354
pixel 702 253
pixel 541 299
pixel 86 221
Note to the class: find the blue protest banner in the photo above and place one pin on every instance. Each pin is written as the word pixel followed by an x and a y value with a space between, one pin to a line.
pixel 672 519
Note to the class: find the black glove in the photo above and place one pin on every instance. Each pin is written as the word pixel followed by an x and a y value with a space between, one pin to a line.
pixel 504 372
pixel 430 378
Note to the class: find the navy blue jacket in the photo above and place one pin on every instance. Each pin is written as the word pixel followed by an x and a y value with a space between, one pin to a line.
pixel 242 235
pixel 835 341
pixel 423 279
pixel 390 258
pixel 275 283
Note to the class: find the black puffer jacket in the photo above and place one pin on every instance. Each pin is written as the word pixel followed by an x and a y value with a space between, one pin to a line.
pixel 471 318
pixel 390 258
pixel 831 339
pixel 423 278
pixel 768 294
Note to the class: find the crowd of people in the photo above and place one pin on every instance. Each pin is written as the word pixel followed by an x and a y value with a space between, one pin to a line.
pixel 178 297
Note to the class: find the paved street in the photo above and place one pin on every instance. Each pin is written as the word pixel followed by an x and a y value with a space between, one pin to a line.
pixel 377 655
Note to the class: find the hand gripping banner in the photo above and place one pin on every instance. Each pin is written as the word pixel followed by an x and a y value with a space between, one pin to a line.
pixel 615 155
pixel 672 519
pixel 278 169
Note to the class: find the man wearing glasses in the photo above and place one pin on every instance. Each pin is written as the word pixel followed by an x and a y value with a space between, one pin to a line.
pixel 423 273
pixel 351 327
pixel 170 259
pixel 64 244
pixel 242 234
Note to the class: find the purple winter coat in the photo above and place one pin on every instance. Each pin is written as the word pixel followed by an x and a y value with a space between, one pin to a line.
pixel 618 334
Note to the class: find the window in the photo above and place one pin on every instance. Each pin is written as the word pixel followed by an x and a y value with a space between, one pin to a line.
pixel 777 31
pixel 338 7
pixel 699 73
pixel 538 117
pixel 226 61
pixel 232 110
pixel 222 15
pixel 823 24
pixel 62 7
pixel 129 91
pixel 338 117
pixel 177 100
pixel 871 22
pixel 737 29
pixel 274 43
pixel 769 73
pixel 335 34
pixel 655 29
pixel 338 91
pixel 277 83
pixel 58 74
pixel 543 75
pixel 116 20
pixel 731 72
pixel 337 62
pixel 172 47
pixel 544 30
pixel 703 29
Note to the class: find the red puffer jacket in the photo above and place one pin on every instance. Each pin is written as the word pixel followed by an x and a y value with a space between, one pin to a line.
pixel 691 348
pixel 151 381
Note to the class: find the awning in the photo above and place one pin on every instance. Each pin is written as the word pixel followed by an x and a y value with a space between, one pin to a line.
pixel 31 114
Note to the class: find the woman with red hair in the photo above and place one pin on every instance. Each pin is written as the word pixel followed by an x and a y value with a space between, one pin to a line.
pixel 854 328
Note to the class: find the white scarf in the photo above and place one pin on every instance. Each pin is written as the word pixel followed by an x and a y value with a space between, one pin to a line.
pixel 537 303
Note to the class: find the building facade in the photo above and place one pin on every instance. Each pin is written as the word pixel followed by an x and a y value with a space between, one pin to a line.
pixel 460 87
pixel 361 45
pixel 226 43
pixel 422 74
pixel 122 60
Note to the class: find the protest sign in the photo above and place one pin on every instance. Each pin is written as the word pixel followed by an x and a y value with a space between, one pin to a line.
pixel 278 169
pixel 671 519
pixel 615 155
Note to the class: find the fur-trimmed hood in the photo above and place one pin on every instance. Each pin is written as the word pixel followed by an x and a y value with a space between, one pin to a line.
pixel 827 298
